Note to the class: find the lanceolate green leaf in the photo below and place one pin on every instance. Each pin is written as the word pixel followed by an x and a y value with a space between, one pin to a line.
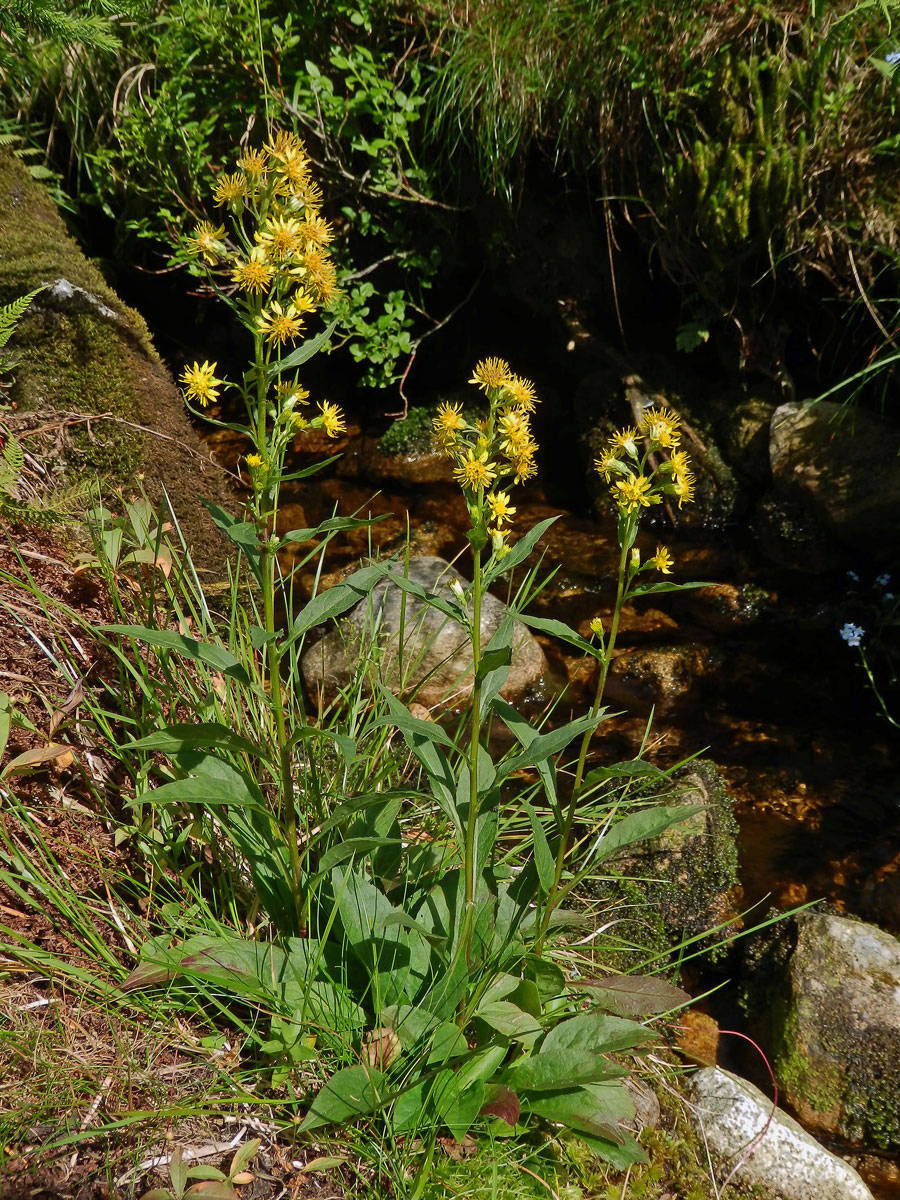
pixel 187 736
pixel 212 655
pixel 641 826
pixel 519 552
pixel 544 745
pixel 336 600
pixel 350 1093
pixel 305 351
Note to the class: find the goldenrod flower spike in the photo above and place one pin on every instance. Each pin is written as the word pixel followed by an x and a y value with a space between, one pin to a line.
pixel 200 383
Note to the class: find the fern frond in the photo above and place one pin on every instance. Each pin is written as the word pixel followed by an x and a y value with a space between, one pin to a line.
pixel 12 313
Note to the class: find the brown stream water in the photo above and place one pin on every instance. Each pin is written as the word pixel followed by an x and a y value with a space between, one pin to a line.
pixel 751 671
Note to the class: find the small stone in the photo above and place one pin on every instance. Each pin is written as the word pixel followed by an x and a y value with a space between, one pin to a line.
pixel 698 1037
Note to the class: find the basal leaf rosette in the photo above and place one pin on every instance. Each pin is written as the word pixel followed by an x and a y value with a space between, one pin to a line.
pixel 492 452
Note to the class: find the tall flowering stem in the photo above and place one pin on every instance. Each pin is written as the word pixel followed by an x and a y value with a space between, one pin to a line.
pixel 642 466
pixel 489 453
pixel 273 268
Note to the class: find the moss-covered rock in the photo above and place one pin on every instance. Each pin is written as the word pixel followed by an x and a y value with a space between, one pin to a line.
pixel 88 366
pixel 836 1031
pixel 682 883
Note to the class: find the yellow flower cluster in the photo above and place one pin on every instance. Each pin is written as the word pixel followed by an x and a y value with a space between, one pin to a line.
pixel 493 449
pixel 625 463
pixel 278 263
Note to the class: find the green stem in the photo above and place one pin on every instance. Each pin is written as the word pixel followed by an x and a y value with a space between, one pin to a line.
pixel 267 505
pixel 474 739
pixel 553 897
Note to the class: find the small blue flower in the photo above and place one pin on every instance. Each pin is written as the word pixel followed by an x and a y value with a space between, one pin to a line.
pixel 853 577
pixel 892 57
pixel 888 597
pixel 883 580
pixel 852 634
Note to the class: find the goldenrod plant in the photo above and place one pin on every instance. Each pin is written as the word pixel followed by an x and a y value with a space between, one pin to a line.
pixel 389 890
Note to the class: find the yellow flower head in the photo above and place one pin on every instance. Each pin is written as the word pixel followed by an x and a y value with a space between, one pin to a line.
pixel 491 373
pixel 303 301
pixel 520 393
pixel 200 383
pixel 501 509
pixel 524 466
pixel 448 423
pixel 280 238
pixel 660 425
pixel 280 324
pixel 320 274
pixel 332 419
pixel 253 164
pixel 253 274
pixel 683 479
pixel 253 461
pixel 662 561
pixel 316 231
pixel 298 421
pixel 498 542
pixel 597 627
pixel 288 394
pixel 232 190
pixel 474 472
pixel 625 442
pixel 634 493
pixel 307 195
pixel 608 465
pixel 515 433
pixel 285 145
pixel 207 242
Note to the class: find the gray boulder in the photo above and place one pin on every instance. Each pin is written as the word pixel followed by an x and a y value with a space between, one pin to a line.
pixel 843 469
pixel 731 1114
pixel 837 1031
pixel 435 664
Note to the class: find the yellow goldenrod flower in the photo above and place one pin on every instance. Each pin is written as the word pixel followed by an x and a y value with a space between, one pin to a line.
pixel 683 488
pixel 597 627
pixel 285 144
pixel 635 559
pixel 498 542
pixel 491 373
pixel 660 425
pixel 280 237
pixel 253 274
pixel 625 442
pixel 662 561
pixel 207 241
pixel 449 421
pixel 321 276
pixel 316 231
pixel 253 164
pixel 200 383
pixel 308 195
pixel 253 461
pixel 521 392
pixel 501 509
pixel 515 433
pixel 634 493
pixel 683 479
pixel 287 393
pixel 232 189
pixel 523 468
pixel 303 301
pixel 279 324
pixel 475 472
pixel 608 465
pixel 332 419
pixel 293 171
pixel 298 421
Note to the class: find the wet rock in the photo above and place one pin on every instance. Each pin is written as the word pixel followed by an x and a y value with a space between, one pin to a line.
pixel 663 678
pixel 723 607
pixel 364 459
pixel 746 441
pixel 436 651
pixel 687 875
pixel 837 1031
pixel 793 538
pixel 843 468
pixel 731 1115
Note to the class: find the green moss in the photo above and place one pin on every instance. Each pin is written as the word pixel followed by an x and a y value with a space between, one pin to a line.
pixel 410 436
